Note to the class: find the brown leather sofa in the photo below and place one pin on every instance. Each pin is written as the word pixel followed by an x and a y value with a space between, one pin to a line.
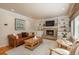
pixel 14 41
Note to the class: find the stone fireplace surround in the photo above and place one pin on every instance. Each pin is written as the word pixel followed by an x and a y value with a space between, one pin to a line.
pixel 50 35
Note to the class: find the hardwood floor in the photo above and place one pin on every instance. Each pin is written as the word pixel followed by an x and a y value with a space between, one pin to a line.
pixel 4 49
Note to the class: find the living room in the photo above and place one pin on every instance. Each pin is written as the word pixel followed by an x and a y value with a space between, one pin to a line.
pixel 38 29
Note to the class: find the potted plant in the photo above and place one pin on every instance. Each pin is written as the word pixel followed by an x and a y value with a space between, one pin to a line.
pixel 64 35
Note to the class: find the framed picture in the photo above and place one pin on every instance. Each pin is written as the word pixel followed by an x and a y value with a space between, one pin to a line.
pixel 19 24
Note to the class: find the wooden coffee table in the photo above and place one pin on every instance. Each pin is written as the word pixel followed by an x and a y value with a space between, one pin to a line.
pixel 33 42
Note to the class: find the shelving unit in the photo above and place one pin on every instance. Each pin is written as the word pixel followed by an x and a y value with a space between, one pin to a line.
pixel 63 25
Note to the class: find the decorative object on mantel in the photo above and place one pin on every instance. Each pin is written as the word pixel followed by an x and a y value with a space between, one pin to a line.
pixel 19 24
pixel 40 27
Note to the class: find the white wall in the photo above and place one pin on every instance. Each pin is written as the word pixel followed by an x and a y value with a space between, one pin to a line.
pixel 7 17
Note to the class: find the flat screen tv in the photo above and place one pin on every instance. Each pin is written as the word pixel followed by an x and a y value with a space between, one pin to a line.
pixel 50 23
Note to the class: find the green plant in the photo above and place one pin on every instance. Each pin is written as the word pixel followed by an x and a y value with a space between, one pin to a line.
pixel 64 34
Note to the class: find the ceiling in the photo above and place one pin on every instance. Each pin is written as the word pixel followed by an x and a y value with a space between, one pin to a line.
pixel 38 10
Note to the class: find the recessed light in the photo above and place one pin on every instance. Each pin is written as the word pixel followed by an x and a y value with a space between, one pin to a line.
pixel 63 8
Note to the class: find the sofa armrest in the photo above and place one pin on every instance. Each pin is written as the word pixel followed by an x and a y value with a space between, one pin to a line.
pixel 12 40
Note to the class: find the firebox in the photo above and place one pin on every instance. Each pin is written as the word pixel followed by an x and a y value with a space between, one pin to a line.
pixel 50 32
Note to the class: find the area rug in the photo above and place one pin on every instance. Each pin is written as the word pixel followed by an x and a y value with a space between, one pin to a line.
pixel 42 49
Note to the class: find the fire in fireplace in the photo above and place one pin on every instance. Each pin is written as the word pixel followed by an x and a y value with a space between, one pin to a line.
pixel 50 32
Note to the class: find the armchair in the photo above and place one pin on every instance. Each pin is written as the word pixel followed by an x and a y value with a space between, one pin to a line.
pixel 61 51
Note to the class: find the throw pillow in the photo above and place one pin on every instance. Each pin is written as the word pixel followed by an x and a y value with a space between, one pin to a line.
pixel 16 36
pixel 24 34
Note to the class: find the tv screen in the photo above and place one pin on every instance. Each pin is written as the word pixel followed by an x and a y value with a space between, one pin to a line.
pixel 50 23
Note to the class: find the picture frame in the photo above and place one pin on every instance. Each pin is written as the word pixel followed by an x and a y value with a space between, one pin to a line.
pixel 19 24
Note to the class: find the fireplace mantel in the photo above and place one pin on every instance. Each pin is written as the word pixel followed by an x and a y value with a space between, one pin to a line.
pixel 50 27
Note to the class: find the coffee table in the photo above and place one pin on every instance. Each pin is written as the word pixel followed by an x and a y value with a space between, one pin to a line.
pixel 33 42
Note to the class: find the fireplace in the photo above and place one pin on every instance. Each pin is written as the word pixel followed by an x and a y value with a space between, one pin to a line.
pixel 50 32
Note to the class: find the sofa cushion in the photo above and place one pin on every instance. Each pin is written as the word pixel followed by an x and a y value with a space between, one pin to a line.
pixel 77 51
pixel 75 45
pixel 24 34
pixel 19 35
pixel 61 51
